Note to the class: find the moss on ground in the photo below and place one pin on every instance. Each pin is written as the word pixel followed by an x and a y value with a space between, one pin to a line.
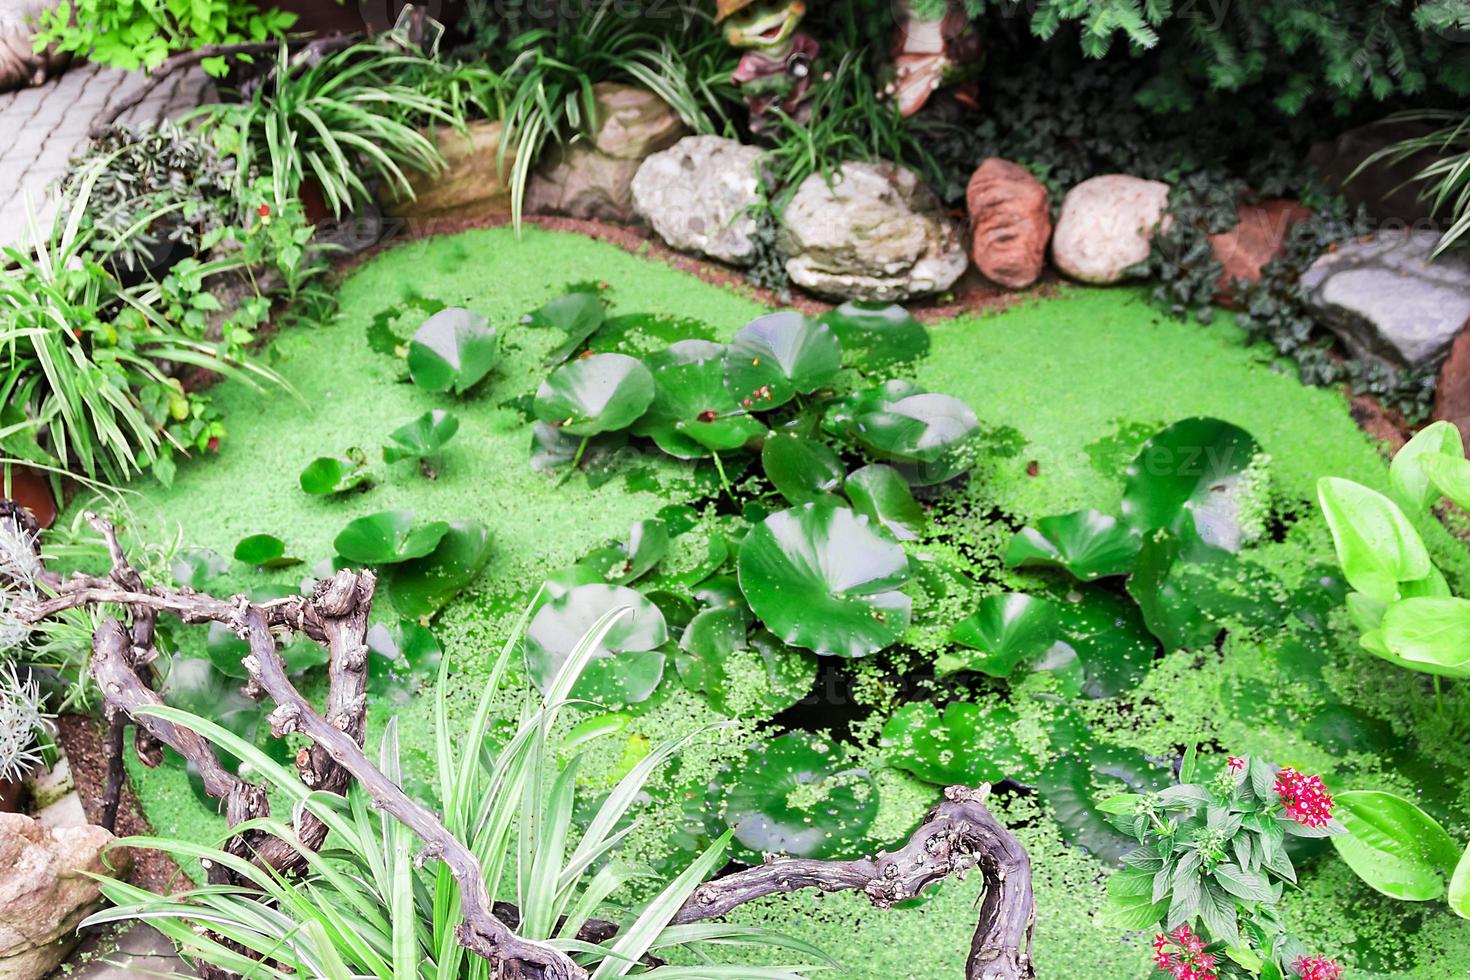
pixel 1067 387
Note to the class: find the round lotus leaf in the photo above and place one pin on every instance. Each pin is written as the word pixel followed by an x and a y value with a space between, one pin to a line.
pixel 822 577
pixel 693 414
pixel 628 664
pixel 596 393
pixel 775 357
pixel 797 795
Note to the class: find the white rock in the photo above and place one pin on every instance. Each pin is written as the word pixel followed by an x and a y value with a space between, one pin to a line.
pixel 698 195
pixel 1106 225
pixel 877 233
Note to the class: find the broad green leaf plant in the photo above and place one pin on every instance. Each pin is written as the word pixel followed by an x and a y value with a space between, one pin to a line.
pixel 368 908
pixel 1400 601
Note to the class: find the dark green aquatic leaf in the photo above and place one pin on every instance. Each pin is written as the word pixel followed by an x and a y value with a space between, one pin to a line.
pixel 194 568
pixel 1198 479
pixel 225 651
pixel 802 469
pixel 578 314
pixel 421 587
pixel 693 414
pixel 929 437
pixel 775 357
pixel 401 658
pixel 263 551
pixel 1185 603
pixel 196 686
pixel 1005 632
pixel 422 437
pixel 388 537
pixel 1087 543
pixel 875 336
pixel 327 475
pixel 640 334
pixel 453 349
pixel 628 665
pixel 1073 785
pixel 969 745
pixel 798 795
pixel 883 495
pixel 593 394
pixel 822 578
pixel 1110 637
pixel 741 676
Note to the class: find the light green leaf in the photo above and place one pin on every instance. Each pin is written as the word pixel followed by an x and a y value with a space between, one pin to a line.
pixel 1395 847
pixel 1376 544
pixel 1411 484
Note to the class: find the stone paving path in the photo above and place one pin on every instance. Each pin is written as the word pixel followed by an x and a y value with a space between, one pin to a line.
pixel 42 128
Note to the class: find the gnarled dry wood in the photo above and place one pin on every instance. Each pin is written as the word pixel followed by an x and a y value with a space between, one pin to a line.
pixel 955 836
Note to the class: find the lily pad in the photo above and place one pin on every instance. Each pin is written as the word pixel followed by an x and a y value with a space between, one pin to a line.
pixel 693 414
pixel 741 676
pixel 1110 637
pixel 195 685
pixel 875 336
pixel 1075 784
pixel 1005 632
pixel 421 587
pixel 1200 480
pixel 327 475
pixel 453 349
pixel 883 495
pixel 626 561
pixel 801 468
pixel 579 314
pixel 969 745
pixel 929 437
pixel 775 357
pixel 1087 543
pixel 625 669
pixel 263 551
pixel 422 437
pixel 1185 603
pixel 797 795
pixel 596 393
pixel 388 537
pixel 401 657
pixel 822 578
pixel 195 568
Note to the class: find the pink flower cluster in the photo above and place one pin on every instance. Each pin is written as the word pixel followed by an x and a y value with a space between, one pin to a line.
pixel 1181 954
pixel 1305 798
pixel 1317 968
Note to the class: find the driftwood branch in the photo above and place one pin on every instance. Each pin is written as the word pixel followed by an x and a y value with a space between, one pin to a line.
pixel 957 835
pixel 954 837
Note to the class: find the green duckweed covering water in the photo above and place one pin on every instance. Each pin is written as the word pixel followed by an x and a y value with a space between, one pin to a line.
pixel 1067 389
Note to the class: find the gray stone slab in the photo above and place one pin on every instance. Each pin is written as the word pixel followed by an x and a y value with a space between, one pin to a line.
pixel 1387 300
pixel 138 951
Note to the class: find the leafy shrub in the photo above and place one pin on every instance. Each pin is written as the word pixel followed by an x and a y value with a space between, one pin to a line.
pixel 1444 183
pixel 134 34
pixel 1360 49
pixel 89 381
pixel 348 118
pixel 549 63
pixel 151 185
pixel 1211 865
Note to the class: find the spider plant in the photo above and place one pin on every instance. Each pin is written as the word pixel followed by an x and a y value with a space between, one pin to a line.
pixel 1446 181
pixel 355 115
pixel 366 909
pixel 549 80
pixel 86 378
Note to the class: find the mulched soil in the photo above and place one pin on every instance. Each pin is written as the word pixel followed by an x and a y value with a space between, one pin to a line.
pixel 84 740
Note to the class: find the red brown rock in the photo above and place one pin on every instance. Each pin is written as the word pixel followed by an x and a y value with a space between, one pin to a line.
pixel 1452 392
pixel 1010 221
pixel 1259 237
